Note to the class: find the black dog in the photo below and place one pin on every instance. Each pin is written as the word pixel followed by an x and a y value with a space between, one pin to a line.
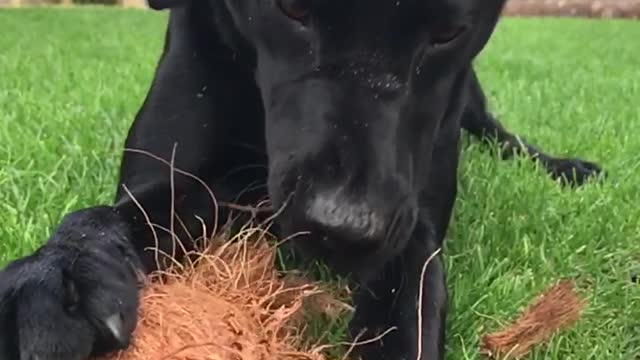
pixel 345 113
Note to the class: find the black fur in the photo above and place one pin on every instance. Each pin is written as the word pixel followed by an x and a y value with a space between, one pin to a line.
pixel 348 120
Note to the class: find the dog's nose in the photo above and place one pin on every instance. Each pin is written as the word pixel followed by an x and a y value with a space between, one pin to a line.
pixel 334 214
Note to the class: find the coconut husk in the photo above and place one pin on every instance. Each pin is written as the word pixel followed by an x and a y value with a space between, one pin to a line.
pixel 228 303
pixel 557 308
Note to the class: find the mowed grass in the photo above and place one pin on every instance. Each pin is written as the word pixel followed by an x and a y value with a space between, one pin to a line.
pixel 72 80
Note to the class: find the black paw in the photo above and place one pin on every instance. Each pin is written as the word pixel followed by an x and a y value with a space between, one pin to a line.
pixel 75 297
pixel 573 172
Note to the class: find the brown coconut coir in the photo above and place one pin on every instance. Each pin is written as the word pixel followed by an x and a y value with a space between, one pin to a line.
pixel 557 308
pixel 229 303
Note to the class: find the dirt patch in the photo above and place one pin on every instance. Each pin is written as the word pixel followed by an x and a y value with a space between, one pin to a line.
pixel 626 9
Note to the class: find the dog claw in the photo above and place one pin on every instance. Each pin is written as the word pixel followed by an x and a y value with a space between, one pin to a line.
pixel 116 327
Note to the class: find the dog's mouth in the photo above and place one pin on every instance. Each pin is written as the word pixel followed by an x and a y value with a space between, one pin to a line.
pixel 348 256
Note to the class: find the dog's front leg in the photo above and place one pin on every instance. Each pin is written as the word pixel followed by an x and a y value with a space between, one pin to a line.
pixel 484 126
pixel 408 326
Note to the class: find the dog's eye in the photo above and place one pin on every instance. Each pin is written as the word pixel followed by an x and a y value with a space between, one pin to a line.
pixel 446 35
pixel 295 9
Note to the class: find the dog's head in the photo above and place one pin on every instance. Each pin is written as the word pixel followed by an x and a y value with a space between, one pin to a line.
pixel 355 94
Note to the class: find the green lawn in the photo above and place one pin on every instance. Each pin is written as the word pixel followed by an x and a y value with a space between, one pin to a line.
pixel 71 81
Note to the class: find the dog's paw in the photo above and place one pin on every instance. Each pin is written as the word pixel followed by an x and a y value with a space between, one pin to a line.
pixel 75 297
pixel 573 172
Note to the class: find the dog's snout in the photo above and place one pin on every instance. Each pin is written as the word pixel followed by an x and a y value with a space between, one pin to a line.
pixel 335 213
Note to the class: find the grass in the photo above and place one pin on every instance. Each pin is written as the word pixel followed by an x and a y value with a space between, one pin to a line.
pixel 72 81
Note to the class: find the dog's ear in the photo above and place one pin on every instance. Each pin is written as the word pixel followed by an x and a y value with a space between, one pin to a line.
pixel 166 4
